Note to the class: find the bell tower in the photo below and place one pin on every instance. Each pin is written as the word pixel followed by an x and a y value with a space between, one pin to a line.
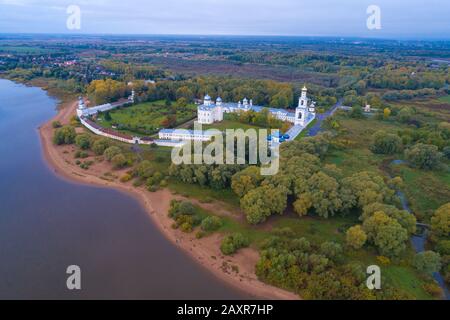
pixel 301 110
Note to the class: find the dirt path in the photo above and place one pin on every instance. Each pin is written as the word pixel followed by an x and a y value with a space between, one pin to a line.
pixel 237 270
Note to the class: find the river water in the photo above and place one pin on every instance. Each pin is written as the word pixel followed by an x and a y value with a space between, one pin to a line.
pixel 47 224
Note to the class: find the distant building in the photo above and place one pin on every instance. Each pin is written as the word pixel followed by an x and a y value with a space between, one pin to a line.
pixel 82 110
pixel 210 112
pixel 183 134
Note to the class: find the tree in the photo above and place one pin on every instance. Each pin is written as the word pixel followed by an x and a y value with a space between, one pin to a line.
pixel 390 239
pixel 246 180
pixel 440 222
pixel 405 115
pixel 386 233
pixel 258 204
pixel 99 146
pixel 386 143
pixel 424 156
pixel 107 116
pixel 356 112
pixel 446 152
pixel 356 237
pixel 331 250
pixel 108 90
pixel 119 161
pixel 303 204
pixel 211 223
pixel 232 243
pixel 364 188
pixel 64 135
pixel 386 113
pixel 182 102
pixel 406 219
pixel 427 261
pixel 83 141
pixel 322 194
pixel 111 152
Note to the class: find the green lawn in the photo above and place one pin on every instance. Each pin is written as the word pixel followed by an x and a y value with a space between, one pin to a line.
pixel 145 118
pixel 426 190
pixel 445 99
pixel 204 193
pixel 230 124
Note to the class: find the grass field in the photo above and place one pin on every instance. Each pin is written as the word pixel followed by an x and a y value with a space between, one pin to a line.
pixel 445 99
pixel 317 231
pixel 145 118
pixel 426 190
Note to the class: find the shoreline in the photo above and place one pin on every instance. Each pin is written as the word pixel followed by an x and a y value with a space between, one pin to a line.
pixel 204 251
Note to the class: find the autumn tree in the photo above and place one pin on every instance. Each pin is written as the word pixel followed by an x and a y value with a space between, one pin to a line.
pixel 246 180
pixel 440 222
pixel 386 143
pixel 427 261
pixel 424 156
pixel 356 237
pixel 64 135
pixel 260 203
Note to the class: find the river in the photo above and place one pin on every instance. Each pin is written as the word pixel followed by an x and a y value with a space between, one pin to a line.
pixel 47 224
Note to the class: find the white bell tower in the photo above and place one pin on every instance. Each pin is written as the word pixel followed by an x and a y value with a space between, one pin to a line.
pixel 302 109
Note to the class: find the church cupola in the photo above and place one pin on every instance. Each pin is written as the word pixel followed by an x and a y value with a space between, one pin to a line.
pixel 207 100
pixel 81 104
pixel 219 101
pixel 303 100
pixel 245 102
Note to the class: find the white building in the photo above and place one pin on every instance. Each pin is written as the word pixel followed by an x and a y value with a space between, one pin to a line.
pixel 82 110
pixel 209 112
pixel 184 134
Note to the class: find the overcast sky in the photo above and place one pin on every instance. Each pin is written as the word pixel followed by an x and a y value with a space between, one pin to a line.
pixel 399 18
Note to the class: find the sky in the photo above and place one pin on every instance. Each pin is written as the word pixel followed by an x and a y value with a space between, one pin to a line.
pixel 399 18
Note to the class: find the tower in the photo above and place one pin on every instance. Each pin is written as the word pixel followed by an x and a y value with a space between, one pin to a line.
pixel 303 100
pixel 132 97
pixel 302 108
pixel 81 104
pixel 219 110
pixel 207 100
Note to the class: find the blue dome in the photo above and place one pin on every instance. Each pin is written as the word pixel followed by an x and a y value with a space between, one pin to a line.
pixel 286 136
pixel 207 97
pixel 219 99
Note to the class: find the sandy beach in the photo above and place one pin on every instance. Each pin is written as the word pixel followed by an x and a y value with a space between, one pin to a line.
pixel 236 270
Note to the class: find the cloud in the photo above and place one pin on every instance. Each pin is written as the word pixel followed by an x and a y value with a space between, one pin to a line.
pixel 286 17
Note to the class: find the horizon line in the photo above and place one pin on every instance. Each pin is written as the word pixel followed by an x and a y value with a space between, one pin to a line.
pixel 366 37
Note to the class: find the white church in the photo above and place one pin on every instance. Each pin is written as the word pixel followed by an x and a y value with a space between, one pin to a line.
pixel 210 112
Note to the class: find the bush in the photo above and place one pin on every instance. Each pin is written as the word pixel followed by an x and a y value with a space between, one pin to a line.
pixel 332 251
pixel 232 243
pixel 56 124
pixel 386 143
pixel 433 289
pixel 119 161
pixel 440 222
pixel 211 223
pixel 424 156
pixel 126 177
pixel 111 152
pixel 427 261
pixel 178 208
pixel 100 145
pixel 64 135
pixel 446 152
pixel 83 141
pixel 356 237
pixel 81 154
pixel 152 188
